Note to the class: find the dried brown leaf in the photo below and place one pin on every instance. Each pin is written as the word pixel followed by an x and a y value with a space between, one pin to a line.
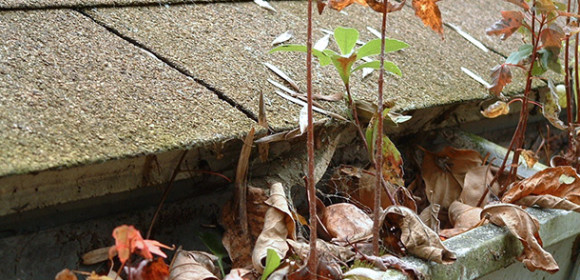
pixel 278 225
pixel 552 37
pixel 464 216
pixel 499 108
pixel 238 245
pixel 551 107
pixel 417 237
pixel 526 228
pixel 241 182
pixel 346 222
pixel 548 201
pixel 512 20
pixel 96 256
pixel 444 173
pixel 388 261
pixel 238 274
pixel 501 76
pixel 428 12
pixel 530 158
pixel 339 253
pixel 359 185
pixel 193 265
pixel 380 6
pixel 430 216
pixel 476 182
pixel 66 274
pixel 561 181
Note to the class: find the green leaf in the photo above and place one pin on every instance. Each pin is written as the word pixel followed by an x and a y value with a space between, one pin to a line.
pixel 343 66
pixel 538 69
pixel 213 242
pixel 375 64
pixel 549 59
pixel 323 58
pixel 523 52
pixel 373 47
pixel 346 39
pixel 272 262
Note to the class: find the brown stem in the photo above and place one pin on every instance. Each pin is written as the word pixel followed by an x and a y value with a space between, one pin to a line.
pixel 567 71
pixel 311 188
pixel 576 82
pixel 166 193
pixel 355 117
pixel 379 143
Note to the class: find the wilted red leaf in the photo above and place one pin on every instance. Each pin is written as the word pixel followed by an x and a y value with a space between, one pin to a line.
pixel 552 37
pixel 193 265
pixel 65 274
pixel 341 4
pixel 520 3
pixel 238 245
pixel 346 222
pixel 561 181
pixel 501 76
pixel 128 240
pixel 496 109
pixel 444 173
pixel 548 201
pixel 278 225
pixel 526 228
pixel 512 20
pixel 428 12
pixel 418 239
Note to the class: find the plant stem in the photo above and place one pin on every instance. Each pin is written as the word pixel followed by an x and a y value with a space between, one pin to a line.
pixel 311 188
pixel 379 143
pixel 355 117
pixel 567 72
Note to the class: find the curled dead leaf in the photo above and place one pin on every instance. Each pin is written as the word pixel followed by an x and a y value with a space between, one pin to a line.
pixel 476 182
pixel 430 216
pixel 279 224
pixel 496 109
pixel 463 216
pixel 548 201
pixel 238 274
pixel 324 248
pixel 530 157
pixel 561 181
pixel 512 20
pixel 428 12
pixel 526 228
pixel 346 222
pixel 551 107
pixel 501 76
pixel 193 265
pixel 417 237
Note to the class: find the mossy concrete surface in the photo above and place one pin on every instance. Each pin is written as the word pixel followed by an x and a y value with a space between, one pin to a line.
pixel 225 44
pixel 489 248
pixel 73 93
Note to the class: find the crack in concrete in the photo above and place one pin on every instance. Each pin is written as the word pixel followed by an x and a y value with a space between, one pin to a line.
pixel 221 95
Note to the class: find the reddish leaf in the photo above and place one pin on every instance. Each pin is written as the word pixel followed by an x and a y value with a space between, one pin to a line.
pixel 149 270
pixel 380 6
pixel 501 76
pixel 526 228
pixel 428 12
pixel 512 20
pixel 552 37
pixel 341 4
pixel 520 3
pixel 128 240
pixel 562 181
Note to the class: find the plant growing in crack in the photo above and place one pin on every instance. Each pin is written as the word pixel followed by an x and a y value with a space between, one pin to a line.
pixel 539 54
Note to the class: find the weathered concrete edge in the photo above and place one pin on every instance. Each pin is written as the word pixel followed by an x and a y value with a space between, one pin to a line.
pixel 489 248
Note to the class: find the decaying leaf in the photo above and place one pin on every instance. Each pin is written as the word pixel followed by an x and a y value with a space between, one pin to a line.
pixel 512 20
pixel 358 184
pixel 405 198
pixel 346 222
pixel 341 4
pixel 340 253
pixel 551 108
pixel 238 245
pixel 241 182
pixel 464 217
pixel 379 6
pixel 561 181
pixel 530 158
pixel 193 265
pixel 128 240
pixel 96 256
pixel 149 270
pixel 430 216
pixel 501 76
pixel 428 12
pixel 477 180
pixel 238 274
pixel 278 225
pixel 552 36
pixel 444 173
pixel 548 201
pixel 388 261
pixel 282 38
pixel 526 228
pixel 496 109
pixel 65 274
pixel 417 237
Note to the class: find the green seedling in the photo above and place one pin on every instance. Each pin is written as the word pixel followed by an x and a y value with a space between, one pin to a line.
pixel 272 262
pixel 213 242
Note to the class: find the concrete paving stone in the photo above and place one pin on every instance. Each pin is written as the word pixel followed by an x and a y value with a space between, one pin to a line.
pixel 40 4
pixel 73 93
pixel 225 44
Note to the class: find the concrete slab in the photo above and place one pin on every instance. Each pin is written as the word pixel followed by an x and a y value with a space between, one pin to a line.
pixel 72 93
pixel 224 46
pixel 43 4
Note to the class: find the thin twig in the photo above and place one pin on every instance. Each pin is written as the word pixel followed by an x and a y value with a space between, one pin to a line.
pixel 166 193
